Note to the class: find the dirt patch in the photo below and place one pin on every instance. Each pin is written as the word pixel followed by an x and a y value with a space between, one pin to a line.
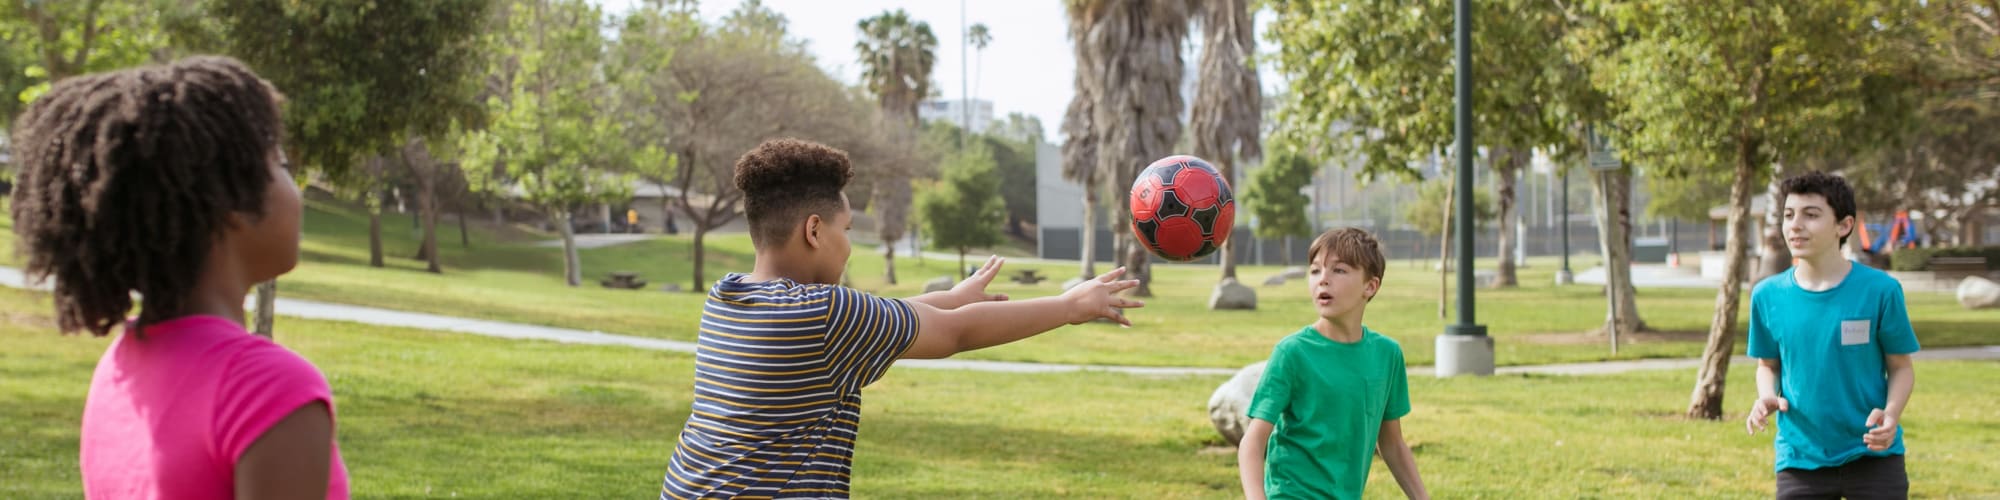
pixel 1643 337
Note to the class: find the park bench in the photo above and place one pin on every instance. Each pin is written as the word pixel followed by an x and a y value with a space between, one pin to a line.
pixel 1028 277
pixel 625 280
pixel 1955 268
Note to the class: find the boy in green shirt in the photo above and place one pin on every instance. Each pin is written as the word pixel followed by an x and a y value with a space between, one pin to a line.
pixel 1332 394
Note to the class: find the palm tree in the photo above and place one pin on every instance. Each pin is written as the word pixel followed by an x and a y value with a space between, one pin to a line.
pixel 979 36
pixel 1229 103
pixel 896 56
pixel 1129 61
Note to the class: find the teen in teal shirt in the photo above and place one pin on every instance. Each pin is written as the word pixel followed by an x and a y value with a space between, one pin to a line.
pixel 1333 394
pixel 1832 341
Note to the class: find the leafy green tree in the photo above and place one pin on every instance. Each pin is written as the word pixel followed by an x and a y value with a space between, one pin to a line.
pixel 361 79
pixel 1750 85
pixel 549 134
pixel 1274 199
pixel 1384 87
pixel 965 210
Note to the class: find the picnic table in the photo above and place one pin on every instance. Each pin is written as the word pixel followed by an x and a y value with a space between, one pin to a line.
pixel 624 279
pixel 1028 276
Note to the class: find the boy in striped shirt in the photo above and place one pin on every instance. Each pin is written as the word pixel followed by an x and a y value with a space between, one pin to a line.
pixel 784 352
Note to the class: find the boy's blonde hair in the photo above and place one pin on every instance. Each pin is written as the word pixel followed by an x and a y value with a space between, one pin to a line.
pixel 1352 246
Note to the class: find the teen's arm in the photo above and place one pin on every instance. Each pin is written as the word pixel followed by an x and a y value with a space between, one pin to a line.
pixel 942 333
pixel 1402 464
pixel 291 459
pixel 970 291
pixel 1902 379
pixel 1768 398
pixel 1250 457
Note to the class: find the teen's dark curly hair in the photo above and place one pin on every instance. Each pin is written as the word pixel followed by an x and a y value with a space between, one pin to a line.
pixel 784 180
pixel 126 179
pixel 1838 195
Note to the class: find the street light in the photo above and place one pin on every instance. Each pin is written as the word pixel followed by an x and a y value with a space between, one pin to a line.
pixel 1464 349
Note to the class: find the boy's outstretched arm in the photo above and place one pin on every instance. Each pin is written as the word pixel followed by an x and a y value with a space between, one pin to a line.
pixel 1402 464
pixel 970 291
pixel 1882 424
pixel 944 332
pixel 1250 457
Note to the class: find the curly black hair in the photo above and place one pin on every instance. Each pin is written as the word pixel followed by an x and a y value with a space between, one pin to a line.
pixel 784 180
pixel 127 178
pixel 1838 195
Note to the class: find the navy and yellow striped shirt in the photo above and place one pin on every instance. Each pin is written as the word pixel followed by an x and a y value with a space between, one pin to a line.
pixel 777 388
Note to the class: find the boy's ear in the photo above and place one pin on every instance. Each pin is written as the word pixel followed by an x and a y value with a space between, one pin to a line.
pixel 1847 226
pixel 812 227
pixel 1374 285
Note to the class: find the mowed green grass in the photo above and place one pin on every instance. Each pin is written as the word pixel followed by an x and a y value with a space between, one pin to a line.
pixel 426 414
pixel 504 275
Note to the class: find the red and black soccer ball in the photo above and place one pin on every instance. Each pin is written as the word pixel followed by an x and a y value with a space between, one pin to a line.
pixel 1182 208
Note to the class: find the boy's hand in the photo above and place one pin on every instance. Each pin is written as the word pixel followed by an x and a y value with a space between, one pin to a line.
pixel 973 289
pixel 1098 298
pixel 1761 411
pixel 1881 431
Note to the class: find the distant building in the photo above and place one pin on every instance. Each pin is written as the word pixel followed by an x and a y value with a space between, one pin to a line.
pixel 953 111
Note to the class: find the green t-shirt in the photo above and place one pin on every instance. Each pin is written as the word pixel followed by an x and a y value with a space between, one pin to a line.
pixel 1327 401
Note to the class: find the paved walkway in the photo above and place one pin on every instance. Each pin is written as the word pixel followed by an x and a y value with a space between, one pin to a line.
pixel 307 309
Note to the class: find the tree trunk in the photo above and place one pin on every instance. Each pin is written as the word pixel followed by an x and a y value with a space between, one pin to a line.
pixel 428 204
pixel 1509 169
pixel 374 228
pixel 1613 212
pixel 1136 260
pixel 572 270
pixel 1777 256
pixel 889 262
pixel 962 275
pixel 1089 229
pixel 1706 402
pixel 267 301
pixel 464 236
pixel 700 256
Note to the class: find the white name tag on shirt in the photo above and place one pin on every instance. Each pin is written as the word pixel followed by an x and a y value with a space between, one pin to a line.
pixel 1854 332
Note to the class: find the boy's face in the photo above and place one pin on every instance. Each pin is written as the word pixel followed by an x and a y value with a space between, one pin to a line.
pixel 829 245
pixel 1810 228
pixel 1338 288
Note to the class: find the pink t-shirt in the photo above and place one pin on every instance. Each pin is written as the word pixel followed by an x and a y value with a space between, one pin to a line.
pixel 169 413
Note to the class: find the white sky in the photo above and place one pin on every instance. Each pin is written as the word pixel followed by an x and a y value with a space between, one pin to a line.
pixel 1027 68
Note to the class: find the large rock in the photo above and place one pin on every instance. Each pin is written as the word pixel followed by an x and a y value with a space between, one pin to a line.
pixel 1229 407
pixel 939 284
pixel 1275 280
pixel 1978 293
pixel 1294 273
pixel 1233 296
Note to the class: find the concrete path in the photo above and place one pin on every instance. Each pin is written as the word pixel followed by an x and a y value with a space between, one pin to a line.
pixel 1654 276
pixel 600 240
pixel 383 317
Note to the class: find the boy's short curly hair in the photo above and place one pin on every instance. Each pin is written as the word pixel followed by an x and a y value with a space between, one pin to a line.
pixel 127 178
pixel 1352 246
pixel 785 180
pixel 1835 189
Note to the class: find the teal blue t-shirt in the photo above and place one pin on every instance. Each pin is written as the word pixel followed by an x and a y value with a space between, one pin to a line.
pixel 1326 401
pixel 1829 346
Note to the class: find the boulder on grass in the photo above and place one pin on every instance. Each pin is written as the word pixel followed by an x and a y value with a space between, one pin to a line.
pixel 1229 407
pixel 938 284
pixel 1978 293
pixel 1230 295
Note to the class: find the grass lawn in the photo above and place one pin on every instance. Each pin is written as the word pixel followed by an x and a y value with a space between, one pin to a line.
pixel 505 276
pixel 436 414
